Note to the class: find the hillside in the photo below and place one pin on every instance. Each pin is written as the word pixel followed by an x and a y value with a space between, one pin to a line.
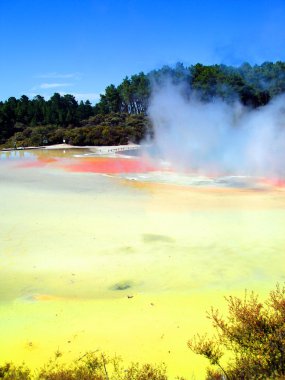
pixel 121 114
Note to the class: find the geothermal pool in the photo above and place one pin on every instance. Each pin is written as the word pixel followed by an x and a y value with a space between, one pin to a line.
pixel 111 254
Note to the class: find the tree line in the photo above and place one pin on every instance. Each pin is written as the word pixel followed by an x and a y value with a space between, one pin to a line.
pixel 121 113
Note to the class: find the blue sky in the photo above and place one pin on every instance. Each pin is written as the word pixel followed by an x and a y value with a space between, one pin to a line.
pixel 81 46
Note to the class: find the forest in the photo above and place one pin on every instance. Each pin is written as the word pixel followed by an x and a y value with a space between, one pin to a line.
pixel 120 116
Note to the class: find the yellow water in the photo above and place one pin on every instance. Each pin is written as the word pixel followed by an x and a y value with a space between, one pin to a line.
pixel 70 242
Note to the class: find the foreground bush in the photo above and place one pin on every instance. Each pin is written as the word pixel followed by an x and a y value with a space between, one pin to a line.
pixel 91 366
pixel 11 372
pixel 253 335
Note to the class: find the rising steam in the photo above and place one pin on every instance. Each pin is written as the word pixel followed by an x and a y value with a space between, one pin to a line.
pixel 216 137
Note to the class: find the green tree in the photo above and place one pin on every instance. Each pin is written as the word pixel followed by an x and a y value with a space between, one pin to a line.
pixel 110 101
pixel 84 110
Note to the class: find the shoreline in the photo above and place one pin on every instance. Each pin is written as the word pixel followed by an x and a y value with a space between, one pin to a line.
pixel 98 149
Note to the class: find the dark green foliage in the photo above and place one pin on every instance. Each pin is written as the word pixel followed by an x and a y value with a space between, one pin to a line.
pixel 134 94
pixel 253 334
pixel 254 86
pixel 110 129
pixel 110 101
pixel 18 115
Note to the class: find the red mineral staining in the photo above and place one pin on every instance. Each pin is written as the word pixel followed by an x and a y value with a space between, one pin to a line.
pixel 110 165
pixel 274 182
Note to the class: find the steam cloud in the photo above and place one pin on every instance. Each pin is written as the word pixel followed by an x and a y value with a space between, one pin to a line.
pixel 216 137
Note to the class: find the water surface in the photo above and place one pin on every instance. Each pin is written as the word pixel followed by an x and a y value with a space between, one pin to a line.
pixel 114 262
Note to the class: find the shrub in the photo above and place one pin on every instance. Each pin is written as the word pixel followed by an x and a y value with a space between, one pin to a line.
pixel 98 366
pixel 10 371
pixel 253 334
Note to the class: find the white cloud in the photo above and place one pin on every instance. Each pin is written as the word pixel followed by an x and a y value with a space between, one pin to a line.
pixel 56 75
pixel 54 85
